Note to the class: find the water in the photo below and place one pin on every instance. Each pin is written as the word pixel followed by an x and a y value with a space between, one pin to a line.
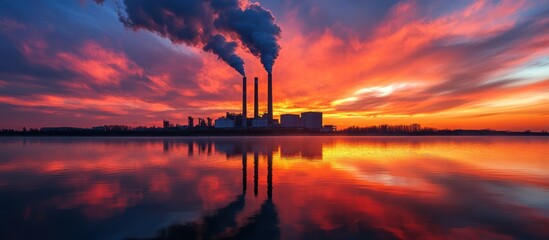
pixel 275 188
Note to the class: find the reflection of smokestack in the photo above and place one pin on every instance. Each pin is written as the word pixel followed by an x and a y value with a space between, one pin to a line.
pixel 256 99
pixel 270 98
pixel 256 171
pixel 244 171
pixel 190 149
pixel 244 113
pixel 270 174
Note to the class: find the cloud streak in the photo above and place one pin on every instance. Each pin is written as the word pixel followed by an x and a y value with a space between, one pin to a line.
pixel 403 62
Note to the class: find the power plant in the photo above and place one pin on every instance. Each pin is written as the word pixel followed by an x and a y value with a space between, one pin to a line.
pixel 308 120
pixel 232 120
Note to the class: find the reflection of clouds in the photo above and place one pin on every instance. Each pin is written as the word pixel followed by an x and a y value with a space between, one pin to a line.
pixel 452 49
pixel 100 200
pixel 472 204
pixel 212 189
pixel 387 179
pixel 223 224
pixel 527 196
pixel 384 188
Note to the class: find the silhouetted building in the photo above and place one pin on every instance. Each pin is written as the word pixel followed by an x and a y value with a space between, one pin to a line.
pixel 311 120
pixel 201 122
pixel 99 128
pixel 166 124
pixel 329 128
pixel 191 122
pixel 290 121
pixel 60 129
pixel 260 122
pixel 224 123
pixel 209 122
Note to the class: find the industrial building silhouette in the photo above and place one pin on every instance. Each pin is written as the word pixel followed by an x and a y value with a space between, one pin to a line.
pixel 307 120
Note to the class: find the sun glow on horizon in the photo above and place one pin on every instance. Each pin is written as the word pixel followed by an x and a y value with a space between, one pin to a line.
pixel 480 64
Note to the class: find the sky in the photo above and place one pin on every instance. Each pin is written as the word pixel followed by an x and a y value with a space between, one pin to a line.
pixel 459 64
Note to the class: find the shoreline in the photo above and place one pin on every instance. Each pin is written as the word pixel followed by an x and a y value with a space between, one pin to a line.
pixel 272 134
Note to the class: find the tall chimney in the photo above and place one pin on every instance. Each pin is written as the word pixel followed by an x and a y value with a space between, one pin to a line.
pixel 270 98
pixel 256 99
pixel 244 113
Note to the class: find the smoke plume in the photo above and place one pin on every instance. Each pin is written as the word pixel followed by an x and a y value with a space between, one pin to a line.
pixel 256 29
pixel 206 24
pixel 225 51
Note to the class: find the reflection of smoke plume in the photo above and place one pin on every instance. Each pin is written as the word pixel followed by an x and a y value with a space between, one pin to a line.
pixel 201 23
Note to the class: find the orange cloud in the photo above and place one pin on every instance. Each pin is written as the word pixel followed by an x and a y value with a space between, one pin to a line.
pixel 413 68
pixel 102 65
pixel 475 63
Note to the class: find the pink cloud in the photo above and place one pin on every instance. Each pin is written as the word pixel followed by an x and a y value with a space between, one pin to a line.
pixel 102 65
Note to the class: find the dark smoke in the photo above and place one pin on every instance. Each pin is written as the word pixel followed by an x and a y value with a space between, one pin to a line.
pixel 256 29
pixel 203 23
pixel 182 21
pixel 225 51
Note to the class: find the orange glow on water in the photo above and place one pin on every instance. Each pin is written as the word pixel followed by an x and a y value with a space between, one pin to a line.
pixel 401 185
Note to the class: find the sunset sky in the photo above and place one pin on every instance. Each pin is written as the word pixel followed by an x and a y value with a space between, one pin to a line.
pixel 444 64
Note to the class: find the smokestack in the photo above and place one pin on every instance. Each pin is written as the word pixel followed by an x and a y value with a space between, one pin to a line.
pixel 244 113
pixel 256 99
pixel 270 98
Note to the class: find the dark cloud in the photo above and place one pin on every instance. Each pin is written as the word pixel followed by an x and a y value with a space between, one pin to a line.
pixel 189 22
pixel 186 21
pixel 337 16
pixel 192 22
pixel 225 51
pixel 256 29
pixel 202 23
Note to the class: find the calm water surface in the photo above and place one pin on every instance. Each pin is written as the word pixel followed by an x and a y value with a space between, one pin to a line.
pixel 275 188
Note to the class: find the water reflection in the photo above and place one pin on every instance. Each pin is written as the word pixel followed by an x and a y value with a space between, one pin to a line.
pixel 223 225
pixel 303 188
